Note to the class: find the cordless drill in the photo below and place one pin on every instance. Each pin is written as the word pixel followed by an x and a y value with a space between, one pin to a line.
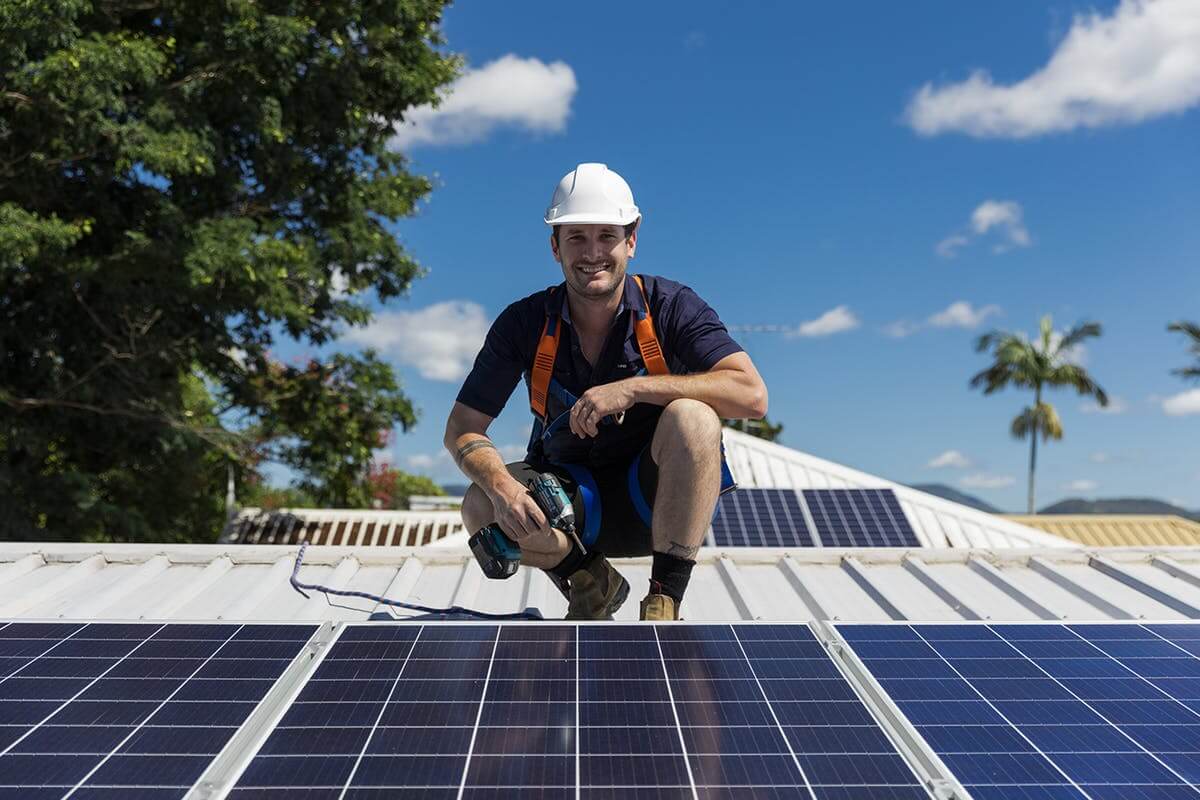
pixel 498 555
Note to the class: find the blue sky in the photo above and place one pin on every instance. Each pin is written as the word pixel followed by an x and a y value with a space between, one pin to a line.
pixel 792 169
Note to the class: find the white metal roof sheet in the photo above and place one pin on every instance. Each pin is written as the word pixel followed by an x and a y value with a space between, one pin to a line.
pixel 250 582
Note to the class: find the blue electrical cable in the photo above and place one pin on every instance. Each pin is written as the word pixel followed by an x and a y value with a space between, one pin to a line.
pixel 316 587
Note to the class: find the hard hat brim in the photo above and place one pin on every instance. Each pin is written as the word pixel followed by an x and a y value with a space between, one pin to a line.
pixel 591 219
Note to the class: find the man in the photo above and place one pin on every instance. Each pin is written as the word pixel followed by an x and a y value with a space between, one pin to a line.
pixel 639 452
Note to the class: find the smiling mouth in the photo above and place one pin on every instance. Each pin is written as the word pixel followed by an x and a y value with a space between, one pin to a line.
pixel 592 270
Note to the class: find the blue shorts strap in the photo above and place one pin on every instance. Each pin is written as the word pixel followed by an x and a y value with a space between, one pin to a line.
pixel 591 501
pixel 728 484
pixel 635 489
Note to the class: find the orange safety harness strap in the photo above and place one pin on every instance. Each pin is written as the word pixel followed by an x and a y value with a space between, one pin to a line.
pixel 652 354
pixel 543 365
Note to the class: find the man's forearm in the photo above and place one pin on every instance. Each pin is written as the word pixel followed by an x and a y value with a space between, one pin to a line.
pixel 731 393
pixel 480 461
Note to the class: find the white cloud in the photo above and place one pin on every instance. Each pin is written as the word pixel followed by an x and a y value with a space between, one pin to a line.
pixel 1182 404
pixel 901 328
pixel 949 247
pixel 1100 458
pixel 835 320
pixel 440 340
pixel 1005 215
pixel 510 91
pixel 1003 219
pixel 950 458
pixel 962 314
pixel 1116 405
pixel 1141 62
pixel 959 314
pixel 425 461
pixel 982 480
pixel 1081 485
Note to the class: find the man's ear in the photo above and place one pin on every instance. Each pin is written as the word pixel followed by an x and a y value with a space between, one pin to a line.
pixel 633 241
pixel 554 248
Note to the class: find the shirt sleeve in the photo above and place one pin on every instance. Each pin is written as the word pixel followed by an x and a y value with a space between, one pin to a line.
pixel 498 366
pixel 698 338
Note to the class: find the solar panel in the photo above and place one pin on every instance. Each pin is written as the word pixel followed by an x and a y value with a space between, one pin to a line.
pixel 597 711
pixel 127 708
pixel 1036 710
pixel 760 518
pixel 859 518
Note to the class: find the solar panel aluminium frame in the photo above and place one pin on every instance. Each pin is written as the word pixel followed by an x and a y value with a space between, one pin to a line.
pixel 220 779
pixel 910 747
pixel 929 765
pixel 222 771
pixel 941 780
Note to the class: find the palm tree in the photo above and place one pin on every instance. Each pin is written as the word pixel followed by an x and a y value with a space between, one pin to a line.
pixel 1192 330
pixel 1037 365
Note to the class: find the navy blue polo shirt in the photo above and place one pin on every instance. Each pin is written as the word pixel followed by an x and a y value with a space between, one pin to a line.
pixel 691 334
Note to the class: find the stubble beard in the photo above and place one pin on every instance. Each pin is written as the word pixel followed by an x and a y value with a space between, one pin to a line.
pixel 592 292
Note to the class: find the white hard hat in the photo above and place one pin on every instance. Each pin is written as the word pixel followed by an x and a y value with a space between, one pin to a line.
pixel 592 194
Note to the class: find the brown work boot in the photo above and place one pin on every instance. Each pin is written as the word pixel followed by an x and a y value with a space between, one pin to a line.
pixel 597 590
pixel 659 608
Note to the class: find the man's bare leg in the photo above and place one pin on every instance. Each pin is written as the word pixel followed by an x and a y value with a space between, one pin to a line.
pixel 687 449
pixel 539 551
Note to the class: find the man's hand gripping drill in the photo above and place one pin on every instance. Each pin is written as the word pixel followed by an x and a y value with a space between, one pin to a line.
pixel 498 555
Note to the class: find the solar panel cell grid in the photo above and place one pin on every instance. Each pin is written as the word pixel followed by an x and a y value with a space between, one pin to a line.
pixel 859 518
pixel 126 709
pixel 760 518
pixel 595 710
pixel 1025 710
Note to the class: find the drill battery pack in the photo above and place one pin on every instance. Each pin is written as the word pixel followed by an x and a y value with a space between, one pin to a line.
pixel 497 555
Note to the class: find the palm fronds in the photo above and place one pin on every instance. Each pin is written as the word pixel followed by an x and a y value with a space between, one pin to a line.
pixel 1042 418
pixel 1192 331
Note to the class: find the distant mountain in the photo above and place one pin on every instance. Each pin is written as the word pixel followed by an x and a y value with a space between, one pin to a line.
pixel 455 489
pixel 1120 505
pixel 953 495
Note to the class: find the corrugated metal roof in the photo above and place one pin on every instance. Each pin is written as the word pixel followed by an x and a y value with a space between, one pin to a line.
pixel 937 522
pixel 1116 530
pixel 249 582
pixel 351 528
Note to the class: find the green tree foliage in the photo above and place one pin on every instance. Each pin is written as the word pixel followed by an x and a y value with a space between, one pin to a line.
pixel 182 183
pixel 1192 331
pixel 258 494
pixel 1037 364
pixel 762 428
pixel 391 488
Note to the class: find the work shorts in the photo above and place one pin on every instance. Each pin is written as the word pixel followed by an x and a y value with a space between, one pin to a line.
pixel 612 504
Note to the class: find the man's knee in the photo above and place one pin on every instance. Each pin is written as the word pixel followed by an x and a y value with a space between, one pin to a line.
pixel 688 425
pixel 477 509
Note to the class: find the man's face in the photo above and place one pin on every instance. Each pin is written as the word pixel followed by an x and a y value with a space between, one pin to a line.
pixel 593 257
